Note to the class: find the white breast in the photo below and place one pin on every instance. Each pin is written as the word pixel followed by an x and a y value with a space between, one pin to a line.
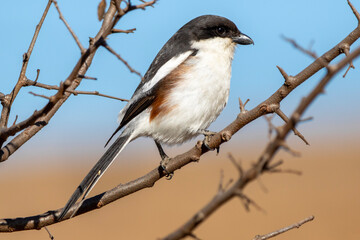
pixel 198 99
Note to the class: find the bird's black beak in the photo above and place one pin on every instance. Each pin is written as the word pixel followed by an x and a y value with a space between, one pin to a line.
pixel 243 39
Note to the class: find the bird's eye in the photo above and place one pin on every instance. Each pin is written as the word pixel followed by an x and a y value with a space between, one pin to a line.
pixel 221 30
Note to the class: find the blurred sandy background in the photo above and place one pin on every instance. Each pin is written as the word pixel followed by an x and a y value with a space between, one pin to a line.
pixel 328 189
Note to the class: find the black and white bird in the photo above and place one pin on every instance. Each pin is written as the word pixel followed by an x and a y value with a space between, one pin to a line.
pixel 182 93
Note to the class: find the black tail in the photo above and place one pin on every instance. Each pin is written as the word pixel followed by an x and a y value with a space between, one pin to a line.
pixel 95 173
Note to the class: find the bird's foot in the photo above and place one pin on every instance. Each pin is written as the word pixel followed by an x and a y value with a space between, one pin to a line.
pixel 163 163
pixel 208 134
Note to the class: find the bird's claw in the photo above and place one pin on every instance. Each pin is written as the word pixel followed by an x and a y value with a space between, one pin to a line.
pixel 163 163
pixel 205 143
pixel 208 134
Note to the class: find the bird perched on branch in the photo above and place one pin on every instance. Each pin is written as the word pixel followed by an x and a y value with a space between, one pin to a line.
pixel 182 93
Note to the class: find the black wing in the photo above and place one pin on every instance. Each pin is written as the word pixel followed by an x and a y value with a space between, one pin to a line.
pixel 134 109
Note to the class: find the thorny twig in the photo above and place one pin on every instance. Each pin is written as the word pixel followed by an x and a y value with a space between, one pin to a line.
pixel 8 99
pixel 40 95
pixel 121 59
pixel 297 46
pixel 86 77
pixel 74 92
pixel 346 50
pixel 123 31
pixel 82 49
pixel 44 115
pixel 286 119
pixel 242 105
pixel 283 230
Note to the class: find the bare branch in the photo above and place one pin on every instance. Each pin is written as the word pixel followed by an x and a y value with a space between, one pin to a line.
pixel 194 236
pixel 16 117
pixel 271 126
pixel 144 5
pixel 306 119
pixel 40 95
pixel 242 105
pixel 274 145
pixel 289 149
pixel 346 49
pixel 123 31
pixel 86 77
pixel 297 46
pixel 286 119
pixel 356 13
pixel 118 8
pixel 229 182
pixel 248 201
pixel 237 164
pixel 348 69
pixel 222 187
pixel 291 171
pixel 98 94
pixel 71 83
pixel 82 49
pixel 37 75
pixel 74 92
pixel 283 230
pixel 221 182
pixel 34 120
pixel 274 165
pixel 2 96
pixel 9 99
pixel 121 59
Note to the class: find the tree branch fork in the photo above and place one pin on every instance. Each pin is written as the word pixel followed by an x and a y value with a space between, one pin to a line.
pixel 27 128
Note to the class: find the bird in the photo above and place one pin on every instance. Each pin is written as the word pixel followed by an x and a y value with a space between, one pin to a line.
pixel 184 90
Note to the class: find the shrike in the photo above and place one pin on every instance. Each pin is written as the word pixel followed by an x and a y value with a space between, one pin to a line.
pixel 182 93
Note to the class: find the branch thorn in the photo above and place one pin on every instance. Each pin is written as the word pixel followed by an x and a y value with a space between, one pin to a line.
pixel 297 46
pixel 286 120
pixel 345 48
pixel 37 75
pixel 105 45
pixel 40 95
pixel 16 117
pixel 237 164
pixel 283 230
pixel 288 79
pixel 86 77
pixel 242 105
pixel 288 149
pixel 123 31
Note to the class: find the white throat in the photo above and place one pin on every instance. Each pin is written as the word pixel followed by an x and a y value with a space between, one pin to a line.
pixel 219 47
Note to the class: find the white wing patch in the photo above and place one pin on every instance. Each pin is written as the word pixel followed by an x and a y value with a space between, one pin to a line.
pixel 167 68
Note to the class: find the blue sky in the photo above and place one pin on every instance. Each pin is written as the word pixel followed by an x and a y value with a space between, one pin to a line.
pixel 89 120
